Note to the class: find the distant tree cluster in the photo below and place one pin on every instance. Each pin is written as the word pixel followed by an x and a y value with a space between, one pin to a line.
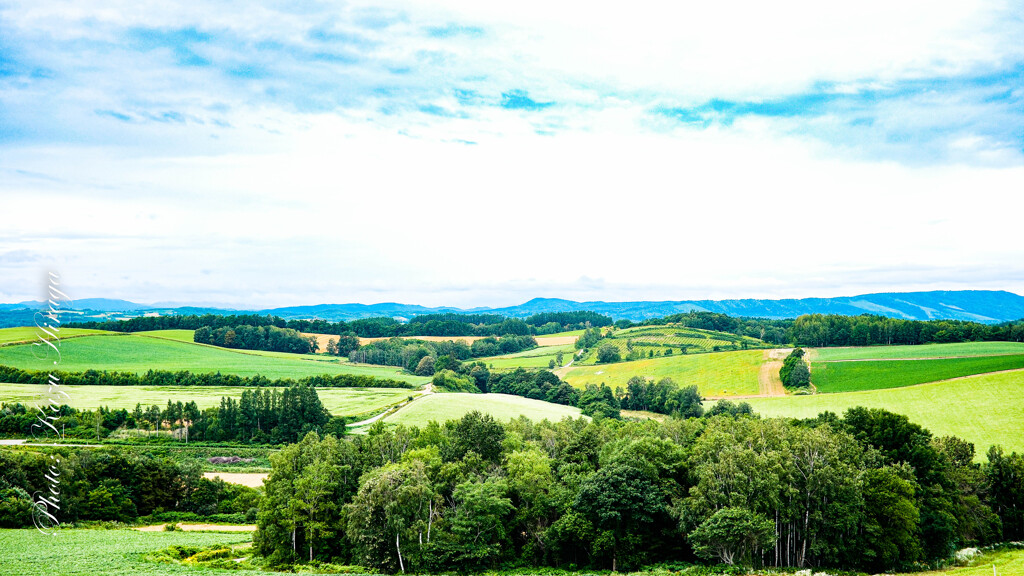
pixel 184 378
pixel 246 337
pixel 409 353
pixel 794 371
pixel 662 397
pixel 870 491
pixel 869 330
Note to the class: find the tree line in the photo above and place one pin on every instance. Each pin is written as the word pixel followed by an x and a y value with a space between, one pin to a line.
pixel 248 337
pixel 869 491
pixel 184 378
pixel 260 416
pixel 418 356
pixel 447 324
pixel 105 484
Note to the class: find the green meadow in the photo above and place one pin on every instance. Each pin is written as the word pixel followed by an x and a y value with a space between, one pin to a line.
pixel 179 335
pixel 533 358
pixel 139 353
pixel 718 374
pixel 983 409
pixel 339 401
pixel 921 351
pixel 852 376
pixel 32 334
pixel 442 407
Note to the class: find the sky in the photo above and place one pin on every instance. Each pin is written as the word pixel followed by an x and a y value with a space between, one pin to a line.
pixel 466 153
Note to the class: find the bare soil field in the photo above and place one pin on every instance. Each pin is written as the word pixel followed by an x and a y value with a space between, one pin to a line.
pixel 768 380
pixel 250 479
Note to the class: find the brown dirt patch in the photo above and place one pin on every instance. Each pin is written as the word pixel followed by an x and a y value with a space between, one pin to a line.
pixel 201 527
pixel 250 479
pixel 768 381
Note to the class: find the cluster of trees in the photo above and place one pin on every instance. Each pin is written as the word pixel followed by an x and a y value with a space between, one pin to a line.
pixel 105 484
pixel 662 397
pixel 410 354
pixel 448 324
pixel 185 378
pixel 794 371
pixel 248 337
pixel 772 331
pixel 259 416
pixel 869 491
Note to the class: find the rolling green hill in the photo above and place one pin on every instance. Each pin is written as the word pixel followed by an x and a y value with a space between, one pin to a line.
pixel 671 339
pixel 851 376
pixel 720 374
pixel 139 353
pixel 921 351
pixel 31 334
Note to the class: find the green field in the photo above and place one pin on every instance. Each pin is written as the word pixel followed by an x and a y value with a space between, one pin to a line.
pixel 442 407
pixel 857 375
pixel 533 358
pixel 103 552
pixel 339 401
pixel 179 335
pixel 983 409
pixel 1004 562
pixel 716 374
pixel 922 351
pixel 137 353
pixel 31 334
pixel 659 339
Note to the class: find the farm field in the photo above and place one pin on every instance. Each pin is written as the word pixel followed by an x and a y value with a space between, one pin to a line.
pixel 442 407
pixel 134 353
pixel 830 377
pixel 179 335
pixel 31 334
pixel 717 375
pixel 534 358
pixel 659 339
pixel 1004 562
pixel 921 351
pixel 982 409
pixel 104 552
pixel 339 401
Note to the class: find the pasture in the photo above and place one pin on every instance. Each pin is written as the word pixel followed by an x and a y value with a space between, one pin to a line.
pixel 179 335
pixel 138 353
pixel 442 407
pixel 104 552
pixel 982 409
pixel 851 376
pixel 32 334
pixel 921 351
pixel 533 358
pixel 645 340
pixel 339 401
pixel 717 375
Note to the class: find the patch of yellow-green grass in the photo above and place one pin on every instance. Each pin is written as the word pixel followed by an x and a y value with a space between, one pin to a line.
pixel 921 351
pixel 136 353
pixel 718 374
pixel 339 401
pixel 1006 562
pixel 32 334
pixel 442 407
pixel 561 334
pixel 179 335
pixel 983 409
pixel 533 358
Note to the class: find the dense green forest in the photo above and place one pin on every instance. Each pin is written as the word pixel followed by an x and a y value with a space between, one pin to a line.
pixel 868 491
pixel 247 337
pixel 418 356
pixel 185 378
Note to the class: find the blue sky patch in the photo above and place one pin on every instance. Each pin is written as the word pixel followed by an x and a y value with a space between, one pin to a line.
pixel 520 100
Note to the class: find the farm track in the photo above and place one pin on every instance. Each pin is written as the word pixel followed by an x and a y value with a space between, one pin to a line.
pixel 768 380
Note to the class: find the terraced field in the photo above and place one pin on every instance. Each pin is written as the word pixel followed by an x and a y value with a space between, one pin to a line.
pixel 339 401
pixel 717 375
pixel 983 409
pixel 442 407
pixel 139 353
pixel 645 340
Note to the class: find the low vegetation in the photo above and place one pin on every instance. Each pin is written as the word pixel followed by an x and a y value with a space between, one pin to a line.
pixel 851 376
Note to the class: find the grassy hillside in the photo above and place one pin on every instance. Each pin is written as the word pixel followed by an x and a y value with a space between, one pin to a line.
pixel 922 351
pixel 658 340
pixel 983 409
pixel 535 358
pixel 340 401
pixel 878 374
pixel 442 407
pixel 716 374
pixel 136 353
pixel 179 335
pixel 31 334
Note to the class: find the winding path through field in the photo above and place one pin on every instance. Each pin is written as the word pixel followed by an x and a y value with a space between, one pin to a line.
pixel 429 389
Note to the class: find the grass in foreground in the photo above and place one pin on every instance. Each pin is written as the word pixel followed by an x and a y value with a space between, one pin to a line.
pixel 718 374
pixel 879 374
pixel 135 353
pixel 339 401
pixel 103 552
pixel 982 409
pixel 1006 562
pixel 921 351
pixel 442 407
pixel 31 334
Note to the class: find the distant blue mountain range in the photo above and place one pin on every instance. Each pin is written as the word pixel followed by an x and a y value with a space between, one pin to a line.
pixel 977 305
